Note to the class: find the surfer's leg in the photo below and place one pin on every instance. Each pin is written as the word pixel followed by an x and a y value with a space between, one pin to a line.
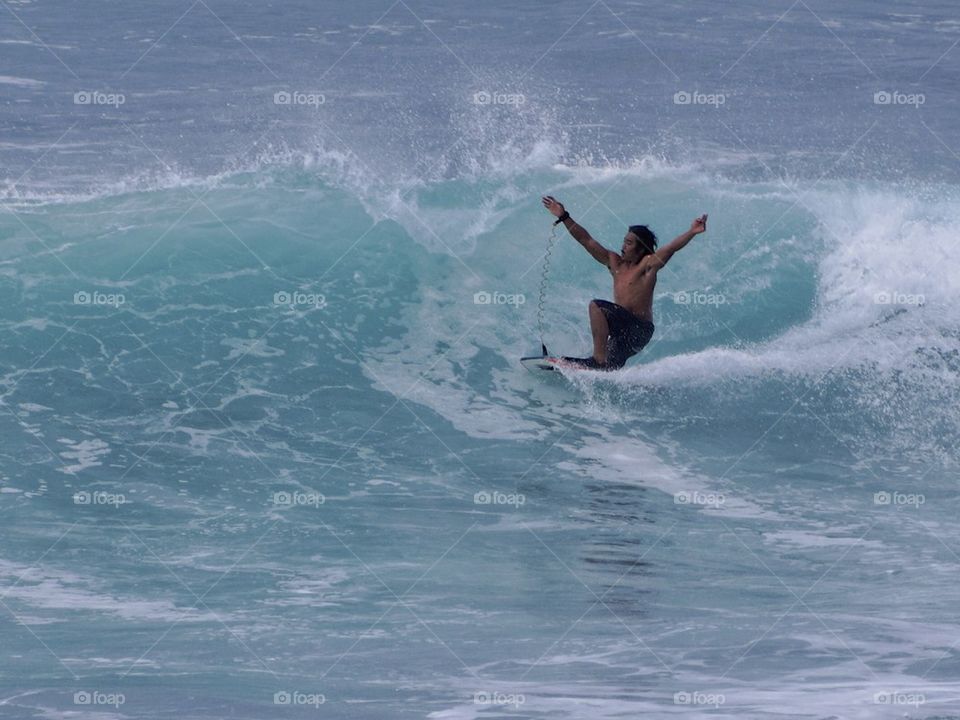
pixel 626 344
pixel 600 330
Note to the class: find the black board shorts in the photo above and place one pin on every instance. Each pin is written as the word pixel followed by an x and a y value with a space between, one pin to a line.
pixel 628 336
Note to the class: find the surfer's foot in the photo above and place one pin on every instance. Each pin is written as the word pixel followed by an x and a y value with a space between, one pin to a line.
pixel 589 363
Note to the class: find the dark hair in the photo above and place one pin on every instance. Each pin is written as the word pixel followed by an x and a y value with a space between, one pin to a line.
pixel 648 241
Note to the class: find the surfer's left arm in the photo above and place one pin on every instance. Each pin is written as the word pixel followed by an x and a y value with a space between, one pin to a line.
pixel 678 243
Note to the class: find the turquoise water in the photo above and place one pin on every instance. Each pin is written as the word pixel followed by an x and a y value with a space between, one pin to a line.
pixel 703 521
pixel 267 452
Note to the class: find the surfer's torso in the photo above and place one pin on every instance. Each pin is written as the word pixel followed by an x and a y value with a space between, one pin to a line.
pixel 633 285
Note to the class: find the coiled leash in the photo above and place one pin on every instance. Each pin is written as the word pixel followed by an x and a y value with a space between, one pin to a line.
pixel 542 299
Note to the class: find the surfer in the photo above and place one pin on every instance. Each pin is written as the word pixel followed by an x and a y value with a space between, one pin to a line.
pixel 623 327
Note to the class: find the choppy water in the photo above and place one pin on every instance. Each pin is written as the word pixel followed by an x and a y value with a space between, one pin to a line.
pixel 265 455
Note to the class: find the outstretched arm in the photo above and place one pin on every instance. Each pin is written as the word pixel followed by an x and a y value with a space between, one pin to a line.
pixel 664 254
pixel 598 251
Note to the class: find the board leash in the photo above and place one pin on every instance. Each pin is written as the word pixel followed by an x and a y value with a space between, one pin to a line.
pixel 542 299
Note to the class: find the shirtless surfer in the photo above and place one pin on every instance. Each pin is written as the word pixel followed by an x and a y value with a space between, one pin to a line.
pixel 623 327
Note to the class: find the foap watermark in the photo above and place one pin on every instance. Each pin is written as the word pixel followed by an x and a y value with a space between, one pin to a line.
pixel 699 298
pixel 695 497
pixel 884 97
pixel 885 497
pixel 498 298
pixel 296 498
pixel 298 98
pixel 486 697
pixel 99 497
pixel 297 298
pixel 495 497
pixel 98 697
pixel 714 700
pixel 485 97
pixel 896 697
pixel 886 297
pixel 95 297
pixel 698 98
pixel 97 97
pixel 296 697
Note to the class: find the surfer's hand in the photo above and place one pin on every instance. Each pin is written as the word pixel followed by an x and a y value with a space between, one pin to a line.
pixel 699 225
pixel 551 204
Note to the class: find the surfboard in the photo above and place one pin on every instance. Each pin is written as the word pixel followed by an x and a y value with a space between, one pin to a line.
pixel 540 362
pixel 549 363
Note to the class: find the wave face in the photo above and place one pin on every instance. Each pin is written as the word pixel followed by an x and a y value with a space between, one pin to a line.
pixel 266 438
pixel 196 349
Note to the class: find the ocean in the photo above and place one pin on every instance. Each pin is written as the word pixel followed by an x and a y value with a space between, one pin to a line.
pixel 267 272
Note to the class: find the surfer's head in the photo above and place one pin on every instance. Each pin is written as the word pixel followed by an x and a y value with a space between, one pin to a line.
pixel 638 243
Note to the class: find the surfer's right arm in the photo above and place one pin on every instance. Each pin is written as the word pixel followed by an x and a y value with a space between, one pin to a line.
pixel 598 251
